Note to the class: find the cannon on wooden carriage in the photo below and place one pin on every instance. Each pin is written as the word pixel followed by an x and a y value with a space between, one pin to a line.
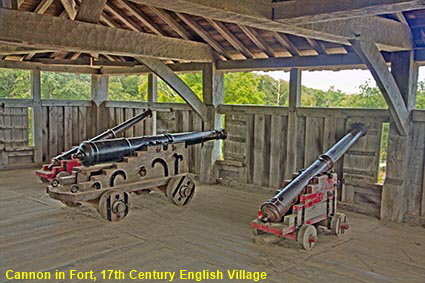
pixel 112 169
pixel 308 200
pixel 63 164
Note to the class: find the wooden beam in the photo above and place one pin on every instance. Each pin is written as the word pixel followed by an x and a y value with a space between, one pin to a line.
pixel 142 17
pixel 253 35
pixel 153 98
pixel 90 11
pixel 294 103
pixel 386 82
pixel 70 8
pixel 347 61
pixel 307 11
pixel 10 4
pixel 405 71
pixel 176 26
pixel 320 49
pixel 86 62
pixel 231 38
pixel 118 13
pixel 213 94
pixel 168 76
pixel 37 129
pixel 12 49
pixel 37 66
pixel 287 43
pixel 388 34
pixel 43 6
pixel 99 113
pixel 204 35
pixel 74 36
pixel 383 32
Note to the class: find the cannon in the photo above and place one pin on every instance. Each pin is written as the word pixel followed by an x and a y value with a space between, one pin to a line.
pixel 308 199
pixel 63 164
pixel 113 169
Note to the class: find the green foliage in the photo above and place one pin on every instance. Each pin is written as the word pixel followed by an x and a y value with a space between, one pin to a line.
pixel 14 84
pixel 65 86
pixel 129 88
pixel 167 94
pixel 239 88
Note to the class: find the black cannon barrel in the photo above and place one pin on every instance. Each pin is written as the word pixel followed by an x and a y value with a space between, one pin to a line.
pixel 95 152
pixel 110 133
pixel 274 209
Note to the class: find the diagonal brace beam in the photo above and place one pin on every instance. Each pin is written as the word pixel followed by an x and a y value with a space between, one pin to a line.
pixel 177 84
pixel 371 56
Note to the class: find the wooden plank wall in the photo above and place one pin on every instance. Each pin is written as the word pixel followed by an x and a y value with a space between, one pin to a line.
pixel 256 149
pixel 14 144
pixel 64 125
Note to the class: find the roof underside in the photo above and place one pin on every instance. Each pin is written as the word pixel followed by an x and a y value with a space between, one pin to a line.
pixel 229 41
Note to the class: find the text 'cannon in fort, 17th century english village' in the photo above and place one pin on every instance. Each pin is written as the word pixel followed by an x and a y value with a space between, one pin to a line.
pixel 63 164
pixel 119 167
pixel 308 199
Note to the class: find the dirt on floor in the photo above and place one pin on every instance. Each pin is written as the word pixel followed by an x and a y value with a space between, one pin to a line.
pixel 212 233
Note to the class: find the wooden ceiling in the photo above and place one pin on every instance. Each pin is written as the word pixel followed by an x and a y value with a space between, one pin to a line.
pixel 229 41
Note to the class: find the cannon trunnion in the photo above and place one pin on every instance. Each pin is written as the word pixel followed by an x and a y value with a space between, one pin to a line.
pixel 308 200
pixel 156 166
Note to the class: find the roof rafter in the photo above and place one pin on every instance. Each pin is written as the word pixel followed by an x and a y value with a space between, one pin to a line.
pixel 257 40
pixel 389 35
pixel 306 11
pixel 204 35
pixel 178 28
pixel 143 18
pixel 231 38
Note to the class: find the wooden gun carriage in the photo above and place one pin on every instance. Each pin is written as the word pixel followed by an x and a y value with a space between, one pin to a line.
pixel 308 200
pixel 122 166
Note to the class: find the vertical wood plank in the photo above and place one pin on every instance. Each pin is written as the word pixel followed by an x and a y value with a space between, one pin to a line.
pixel 313 139
pixel 45 133
pixel 60 129
pixel 67 119
pixel 82 123
pixel 259 122
pixel 53 134
pixel 75 127
pixel 277 140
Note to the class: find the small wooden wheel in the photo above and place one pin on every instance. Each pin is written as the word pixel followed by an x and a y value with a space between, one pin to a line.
pixel 307 236
pixel 56 181
pixel 339 224
pixel 114 205
pixel 180 190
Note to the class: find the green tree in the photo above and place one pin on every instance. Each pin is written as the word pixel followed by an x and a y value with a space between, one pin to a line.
pixel 128 88
pixel 368 97
pixel 14 83
pixel 242 88
pixel 65 86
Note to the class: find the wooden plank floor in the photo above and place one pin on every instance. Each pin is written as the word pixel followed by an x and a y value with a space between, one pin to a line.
pixel 40 234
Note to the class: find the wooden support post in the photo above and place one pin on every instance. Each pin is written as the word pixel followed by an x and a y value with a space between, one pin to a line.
pixel 294 103
pixel 373 59
pixel 399 192
pixel 99 92
pixel 177 84
pixel 152 98
pixel 213 95
pixel 37 130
